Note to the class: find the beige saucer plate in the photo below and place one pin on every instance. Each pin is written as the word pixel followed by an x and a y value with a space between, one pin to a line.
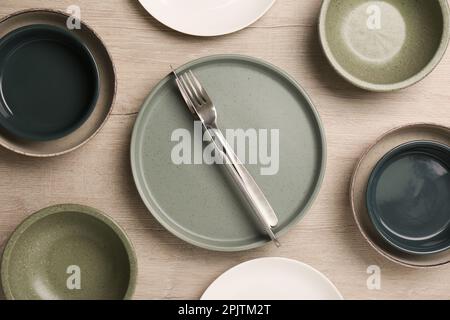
pixel 107 91
pixel 366 164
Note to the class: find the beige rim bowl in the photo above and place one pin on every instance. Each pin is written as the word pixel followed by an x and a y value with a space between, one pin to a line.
pixel 107 91
pixel 364 168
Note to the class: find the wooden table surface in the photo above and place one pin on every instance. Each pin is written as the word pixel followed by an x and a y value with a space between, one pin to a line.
pixel 99 173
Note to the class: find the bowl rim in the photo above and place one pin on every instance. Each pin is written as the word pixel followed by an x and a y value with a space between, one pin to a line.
pixel 432 64
pixel 94 73
pixel 57 209
pixel 114 81
pixel 353 194
pixel 398 150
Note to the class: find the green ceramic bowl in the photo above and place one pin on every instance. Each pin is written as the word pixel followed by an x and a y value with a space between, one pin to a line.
pixel 384 45
pixel 68 252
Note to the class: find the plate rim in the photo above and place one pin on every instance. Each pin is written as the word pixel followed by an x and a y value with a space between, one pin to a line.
pixel 323 149
pixel 293 261
pixel 57 209
pixel 206 34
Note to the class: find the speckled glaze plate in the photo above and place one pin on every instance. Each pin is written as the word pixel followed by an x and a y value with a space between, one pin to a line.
pixel 68 252
pixel 107 86
pixel 197 202
pixel 272 279
pixel 358 190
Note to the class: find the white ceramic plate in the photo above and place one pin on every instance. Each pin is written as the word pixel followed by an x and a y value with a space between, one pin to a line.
pixel 272 279
pixel 207 17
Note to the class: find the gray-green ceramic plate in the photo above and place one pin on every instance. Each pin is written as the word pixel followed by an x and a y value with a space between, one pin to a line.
pixel 384 45
pixel 198 203
pixel 68 252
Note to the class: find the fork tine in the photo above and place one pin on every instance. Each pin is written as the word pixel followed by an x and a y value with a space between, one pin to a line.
pixel 195 84
pixel 189 90
pixel 185 96
pixel 193 89
pixel 183 92
pixel 199 87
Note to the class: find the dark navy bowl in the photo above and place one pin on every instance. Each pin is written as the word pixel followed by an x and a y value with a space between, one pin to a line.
pixel 408 197
pixel 49 82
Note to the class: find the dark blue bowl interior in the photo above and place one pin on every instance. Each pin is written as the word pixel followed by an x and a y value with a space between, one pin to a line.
pixel 408 197
pixel 49 82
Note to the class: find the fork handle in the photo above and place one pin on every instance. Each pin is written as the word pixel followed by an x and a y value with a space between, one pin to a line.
pixel 247 184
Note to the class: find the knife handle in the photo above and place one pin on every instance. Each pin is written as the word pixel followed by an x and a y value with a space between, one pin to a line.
pixel 247 184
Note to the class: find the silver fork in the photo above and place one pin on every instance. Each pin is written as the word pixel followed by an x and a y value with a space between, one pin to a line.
pixel 202 107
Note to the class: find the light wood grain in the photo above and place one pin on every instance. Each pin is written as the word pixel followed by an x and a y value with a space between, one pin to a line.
pixel 99 174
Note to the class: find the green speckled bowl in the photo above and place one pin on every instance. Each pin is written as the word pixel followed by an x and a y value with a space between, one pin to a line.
pixel 384 45
pixel 68 252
